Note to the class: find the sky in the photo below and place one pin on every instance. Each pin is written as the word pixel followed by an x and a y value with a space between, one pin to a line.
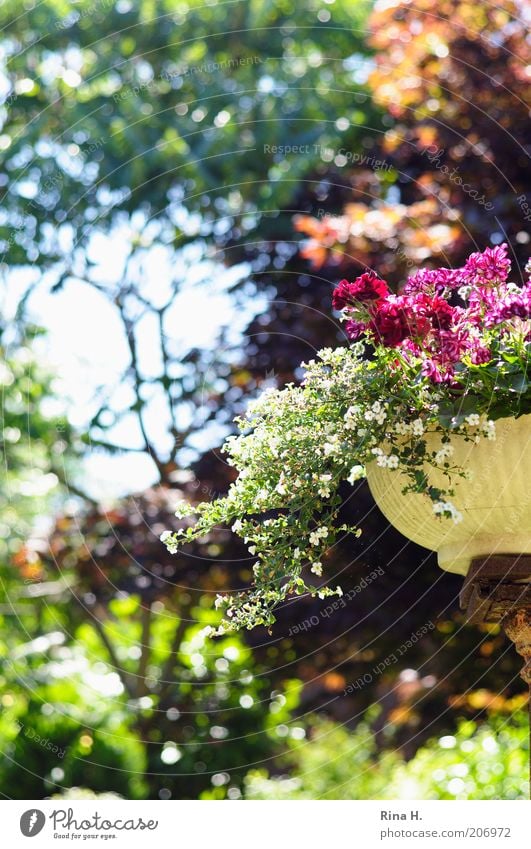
pixel 86 348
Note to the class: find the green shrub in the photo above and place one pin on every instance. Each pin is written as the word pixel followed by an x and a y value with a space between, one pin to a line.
pixel 486 761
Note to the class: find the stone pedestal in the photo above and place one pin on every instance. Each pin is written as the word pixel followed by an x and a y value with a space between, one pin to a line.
pixel 498 589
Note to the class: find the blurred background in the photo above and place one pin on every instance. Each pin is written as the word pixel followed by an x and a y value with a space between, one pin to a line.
pixel 182 186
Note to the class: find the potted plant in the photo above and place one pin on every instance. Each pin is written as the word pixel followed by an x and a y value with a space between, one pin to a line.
pixel 430 400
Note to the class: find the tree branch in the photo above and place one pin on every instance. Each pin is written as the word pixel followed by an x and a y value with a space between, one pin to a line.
pixel 166 679
pixel 125 676
pixel 145 648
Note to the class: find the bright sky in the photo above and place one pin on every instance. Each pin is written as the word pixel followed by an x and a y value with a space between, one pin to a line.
pixel 86 347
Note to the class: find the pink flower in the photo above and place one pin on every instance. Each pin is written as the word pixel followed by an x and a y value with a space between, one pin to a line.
pixel 452 345
pixel 480 354
pixel 424 323
pixel 515 305
pixel 435 309
pixel 367 287
pixel 390 324
pixel 489 267
pixel 433 280
pixel 437 372
pixel 354 329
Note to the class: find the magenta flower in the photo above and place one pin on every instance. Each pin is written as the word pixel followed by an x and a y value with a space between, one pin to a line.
pixel 433 280
pixel 367 287
pixel 427 323
pixel 390 324
pixel 489 267
pixel 515 305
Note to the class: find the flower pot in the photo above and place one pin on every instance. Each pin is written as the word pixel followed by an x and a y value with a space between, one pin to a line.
pixel 495 503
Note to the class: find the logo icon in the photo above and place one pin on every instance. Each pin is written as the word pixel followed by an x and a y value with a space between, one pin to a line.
pixel 32 822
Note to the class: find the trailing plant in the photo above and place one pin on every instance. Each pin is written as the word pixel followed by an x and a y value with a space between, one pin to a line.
pixel 449 354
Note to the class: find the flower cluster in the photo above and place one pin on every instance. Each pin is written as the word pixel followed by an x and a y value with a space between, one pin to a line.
pixel 440 316
pixel 449 355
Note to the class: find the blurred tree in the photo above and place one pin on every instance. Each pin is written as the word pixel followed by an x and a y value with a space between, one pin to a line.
pixel 36 440
pixel 116 152
pixel 39 449
pixel 193 118
pixel 481 761
pixel 457 86
pixel 78 719
pixel 190 714
pixel 133 132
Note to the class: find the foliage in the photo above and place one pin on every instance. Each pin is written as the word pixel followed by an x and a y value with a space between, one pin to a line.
pixel 104 142
pixel 66 726
pixel 191 117
pixel 163 133
pixel 433 367
pixel 456 89
pixel 81 719
pixel 36 441
pixel 102 684
pixel 487 761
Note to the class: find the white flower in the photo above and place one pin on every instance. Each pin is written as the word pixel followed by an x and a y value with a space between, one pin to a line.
pixel 392 461
pixel 449 509
pixel 237 526
pixel 165 535
pixel 317 569
pixel 443 454
pixel 418 427
pixel 353 411
pixel 324 486
pixel 489 429
pixel 402 428
pixel 356 473
pixel 339 591
pixel 350 417
pixel 318 534
pixel 472 419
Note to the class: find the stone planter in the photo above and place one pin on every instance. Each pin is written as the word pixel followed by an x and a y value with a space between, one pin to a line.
pixel 495 503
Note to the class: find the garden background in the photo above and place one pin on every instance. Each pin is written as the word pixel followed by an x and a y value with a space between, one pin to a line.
pixel 183 184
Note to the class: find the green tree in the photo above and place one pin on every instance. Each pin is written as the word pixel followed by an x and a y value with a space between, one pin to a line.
pixel 194 118
pixel 478 761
